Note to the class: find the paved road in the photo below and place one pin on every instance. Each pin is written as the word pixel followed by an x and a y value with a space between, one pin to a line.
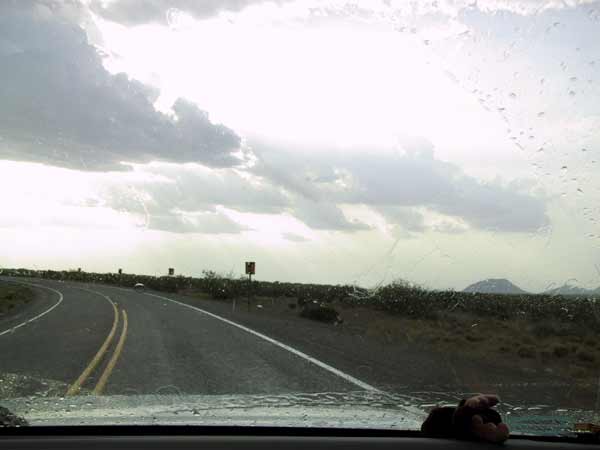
pixel 113 341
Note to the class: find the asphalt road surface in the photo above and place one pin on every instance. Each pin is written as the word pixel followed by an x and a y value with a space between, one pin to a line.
pixel 106 340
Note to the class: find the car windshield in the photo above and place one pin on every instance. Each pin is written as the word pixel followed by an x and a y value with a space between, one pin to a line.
pixel 306 213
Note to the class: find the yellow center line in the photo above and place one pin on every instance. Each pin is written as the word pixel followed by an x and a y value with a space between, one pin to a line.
pixel 113 360
pixel 76 386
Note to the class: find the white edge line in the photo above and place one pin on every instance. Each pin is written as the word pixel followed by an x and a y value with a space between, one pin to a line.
pixel 60 299
pixel 339 373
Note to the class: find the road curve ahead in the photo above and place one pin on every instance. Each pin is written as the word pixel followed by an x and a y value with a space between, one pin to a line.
pixel 104 340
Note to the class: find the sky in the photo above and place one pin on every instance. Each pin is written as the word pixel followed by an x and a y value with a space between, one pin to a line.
pixel 331 141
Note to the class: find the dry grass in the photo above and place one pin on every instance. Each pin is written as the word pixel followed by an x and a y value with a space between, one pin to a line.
pixel 551 347
pixel 12 296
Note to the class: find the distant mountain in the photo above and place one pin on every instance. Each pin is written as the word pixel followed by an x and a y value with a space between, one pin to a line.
pixel 494 286
pixel 570 289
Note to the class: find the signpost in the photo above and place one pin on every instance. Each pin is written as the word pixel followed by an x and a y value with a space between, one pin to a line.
pixel 250 270
pixel 171 271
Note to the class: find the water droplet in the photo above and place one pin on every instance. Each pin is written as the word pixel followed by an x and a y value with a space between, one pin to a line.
pixel 502 109
pixel 584 150
pixel 541 114
pixel 572 93
pixel 512 95
pixel 580 190
pixel 564 168
pixel 573 79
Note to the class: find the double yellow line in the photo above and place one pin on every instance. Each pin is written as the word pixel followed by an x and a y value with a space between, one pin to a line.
pixel 75 388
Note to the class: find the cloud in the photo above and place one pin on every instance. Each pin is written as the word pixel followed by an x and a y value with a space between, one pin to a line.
pixel 187 199
pixel 408 218
pixel 394 184
pixel 61 107
pixel 135 12
pixel 192 188
pixel 325 216
pixel 168 191
pixel 204 222
pixel 294 237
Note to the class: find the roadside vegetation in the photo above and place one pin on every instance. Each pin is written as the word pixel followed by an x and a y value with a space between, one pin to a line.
pixel 13 296
pixel 554 334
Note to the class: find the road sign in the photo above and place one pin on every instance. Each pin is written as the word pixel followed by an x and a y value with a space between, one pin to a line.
pixel 171 271
pixel 250 268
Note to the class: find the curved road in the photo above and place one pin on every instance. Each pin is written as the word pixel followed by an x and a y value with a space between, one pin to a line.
pixel 108 340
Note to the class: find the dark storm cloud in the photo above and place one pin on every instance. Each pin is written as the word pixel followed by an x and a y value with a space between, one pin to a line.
pixel 60 106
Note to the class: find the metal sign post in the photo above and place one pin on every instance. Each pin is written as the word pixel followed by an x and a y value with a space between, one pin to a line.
pixel 250 270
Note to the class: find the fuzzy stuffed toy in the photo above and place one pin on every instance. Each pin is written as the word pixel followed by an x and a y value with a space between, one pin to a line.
pixel 473 419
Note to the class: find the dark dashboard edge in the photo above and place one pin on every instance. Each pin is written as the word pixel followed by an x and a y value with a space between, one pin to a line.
pixel 200 431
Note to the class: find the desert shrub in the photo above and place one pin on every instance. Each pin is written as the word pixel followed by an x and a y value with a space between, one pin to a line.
pixel 585 356
pixel 321 313
pixel 526 352
pixel 560 351
pixel 551 329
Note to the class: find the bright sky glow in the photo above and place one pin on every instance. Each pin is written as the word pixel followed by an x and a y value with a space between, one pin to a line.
pixel 379 141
